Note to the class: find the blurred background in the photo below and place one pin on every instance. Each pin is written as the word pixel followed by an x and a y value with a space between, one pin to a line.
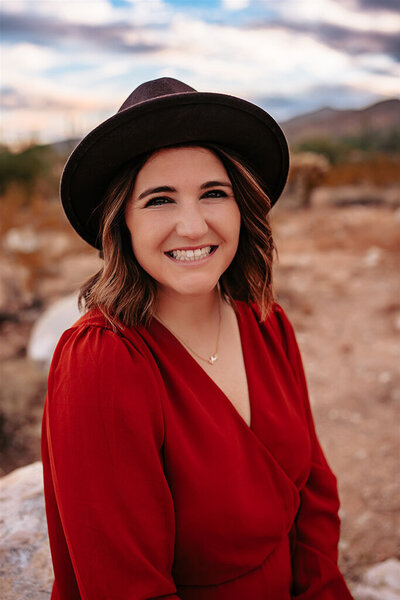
pixel 329 72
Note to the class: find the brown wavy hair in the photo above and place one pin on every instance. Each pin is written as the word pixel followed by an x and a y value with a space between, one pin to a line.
pixel 127 295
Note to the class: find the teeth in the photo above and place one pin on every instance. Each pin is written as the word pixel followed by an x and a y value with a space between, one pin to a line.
pixel 190 255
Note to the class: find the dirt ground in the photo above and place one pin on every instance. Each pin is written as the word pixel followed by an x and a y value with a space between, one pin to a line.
pixel 337 278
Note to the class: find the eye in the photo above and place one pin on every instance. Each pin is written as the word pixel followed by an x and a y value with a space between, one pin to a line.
pixel 215 194
pixel 158 201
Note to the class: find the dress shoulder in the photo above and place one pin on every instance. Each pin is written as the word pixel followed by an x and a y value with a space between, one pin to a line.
pixel 93 337
pixel 101 369
pixel 277 324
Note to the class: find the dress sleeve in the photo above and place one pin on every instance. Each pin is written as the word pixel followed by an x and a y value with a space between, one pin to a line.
pixel 109 508
pixel 316 532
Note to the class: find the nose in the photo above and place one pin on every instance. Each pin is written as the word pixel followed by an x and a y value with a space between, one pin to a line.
pixel 191 222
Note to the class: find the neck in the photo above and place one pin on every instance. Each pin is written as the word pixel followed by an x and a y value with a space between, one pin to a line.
pixel 188 313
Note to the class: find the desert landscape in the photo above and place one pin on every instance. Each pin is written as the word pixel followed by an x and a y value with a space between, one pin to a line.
pixel 337 230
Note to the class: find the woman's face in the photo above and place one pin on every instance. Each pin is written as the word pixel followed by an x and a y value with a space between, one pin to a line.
pixel 184 220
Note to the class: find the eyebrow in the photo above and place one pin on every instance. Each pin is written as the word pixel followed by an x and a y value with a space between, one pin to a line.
pixel 208 184
pixel 167 188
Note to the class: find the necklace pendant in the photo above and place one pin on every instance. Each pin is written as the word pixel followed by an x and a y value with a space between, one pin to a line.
pixel 213 358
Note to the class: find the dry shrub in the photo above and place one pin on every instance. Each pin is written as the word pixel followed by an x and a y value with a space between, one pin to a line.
pixel 13 207
pixel 380 170
pixel 17 209
pixel 307 171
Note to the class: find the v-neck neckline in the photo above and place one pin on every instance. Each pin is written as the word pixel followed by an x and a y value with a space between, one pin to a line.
pixel 246 360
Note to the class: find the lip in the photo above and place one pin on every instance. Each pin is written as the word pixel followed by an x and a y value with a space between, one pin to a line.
pixel 191 263
pixel 190 247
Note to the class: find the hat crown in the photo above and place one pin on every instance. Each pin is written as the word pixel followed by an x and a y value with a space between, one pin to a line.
pixel 164 86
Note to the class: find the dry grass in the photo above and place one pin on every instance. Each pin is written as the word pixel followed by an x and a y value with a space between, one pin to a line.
pixel 381 170
pixel 18 209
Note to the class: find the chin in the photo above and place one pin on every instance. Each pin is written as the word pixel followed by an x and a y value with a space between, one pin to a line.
pixel 195 291
pixel 191 289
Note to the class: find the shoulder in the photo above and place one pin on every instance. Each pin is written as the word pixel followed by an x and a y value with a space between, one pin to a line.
pixel 277 328
pixel 104 372
pixel 276 322
pixel 92 335
pixel 93 347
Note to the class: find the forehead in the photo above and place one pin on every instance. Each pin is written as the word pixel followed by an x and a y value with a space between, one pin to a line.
pixel 180 162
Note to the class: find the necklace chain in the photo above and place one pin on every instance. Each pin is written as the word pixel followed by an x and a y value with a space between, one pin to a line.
pixel 213 357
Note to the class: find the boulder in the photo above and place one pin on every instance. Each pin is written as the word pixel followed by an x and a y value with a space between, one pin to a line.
pixel 49 327
pixel 26 571
pixel 380 582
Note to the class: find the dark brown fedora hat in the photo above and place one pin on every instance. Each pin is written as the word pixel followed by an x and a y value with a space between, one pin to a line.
pixel 161 113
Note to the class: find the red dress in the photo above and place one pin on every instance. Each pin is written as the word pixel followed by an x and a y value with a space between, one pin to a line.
pixel 156 487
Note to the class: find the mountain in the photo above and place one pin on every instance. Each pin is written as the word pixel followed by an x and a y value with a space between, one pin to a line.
pixel 333 123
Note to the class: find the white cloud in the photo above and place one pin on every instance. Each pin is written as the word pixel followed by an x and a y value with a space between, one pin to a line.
pixel 26 58
pixel 235 4
pixel 73 11
pixel 259 61
pixel 385 74
pixel 147 12
pixel 342 14
pixel 91 12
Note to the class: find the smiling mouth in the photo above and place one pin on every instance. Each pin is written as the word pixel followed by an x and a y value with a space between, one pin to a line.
pixel 193 254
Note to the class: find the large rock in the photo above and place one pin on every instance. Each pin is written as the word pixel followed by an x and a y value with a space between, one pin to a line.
pixel 48 328
pixel 26 572
pixel 380 582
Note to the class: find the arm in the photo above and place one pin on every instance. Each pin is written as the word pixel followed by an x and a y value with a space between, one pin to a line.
pixel 317 526
pixel 109 507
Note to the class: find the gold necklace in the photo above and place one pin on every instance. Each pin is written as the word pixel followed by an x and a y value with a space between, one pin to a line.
pixel 213 357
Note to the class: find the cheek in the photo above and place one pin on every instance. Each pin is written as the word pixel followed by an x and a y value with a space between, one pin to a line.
pixel 143 252
pixel 136 232
pixel 141 245
pixel 137 226
pixel 129 219
pixel 234 221
pixel 147 236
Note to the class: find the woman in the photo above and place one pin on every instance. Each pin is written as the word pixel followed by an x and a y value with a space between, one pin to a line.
pixel 179 451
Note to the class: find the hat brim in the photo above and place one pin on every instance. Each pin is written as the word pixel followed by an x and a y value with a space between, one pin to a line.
pixel 178 118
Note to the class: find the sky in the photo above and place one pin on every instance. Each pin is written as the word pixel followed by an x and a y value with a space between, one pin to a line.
pixel 67 65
